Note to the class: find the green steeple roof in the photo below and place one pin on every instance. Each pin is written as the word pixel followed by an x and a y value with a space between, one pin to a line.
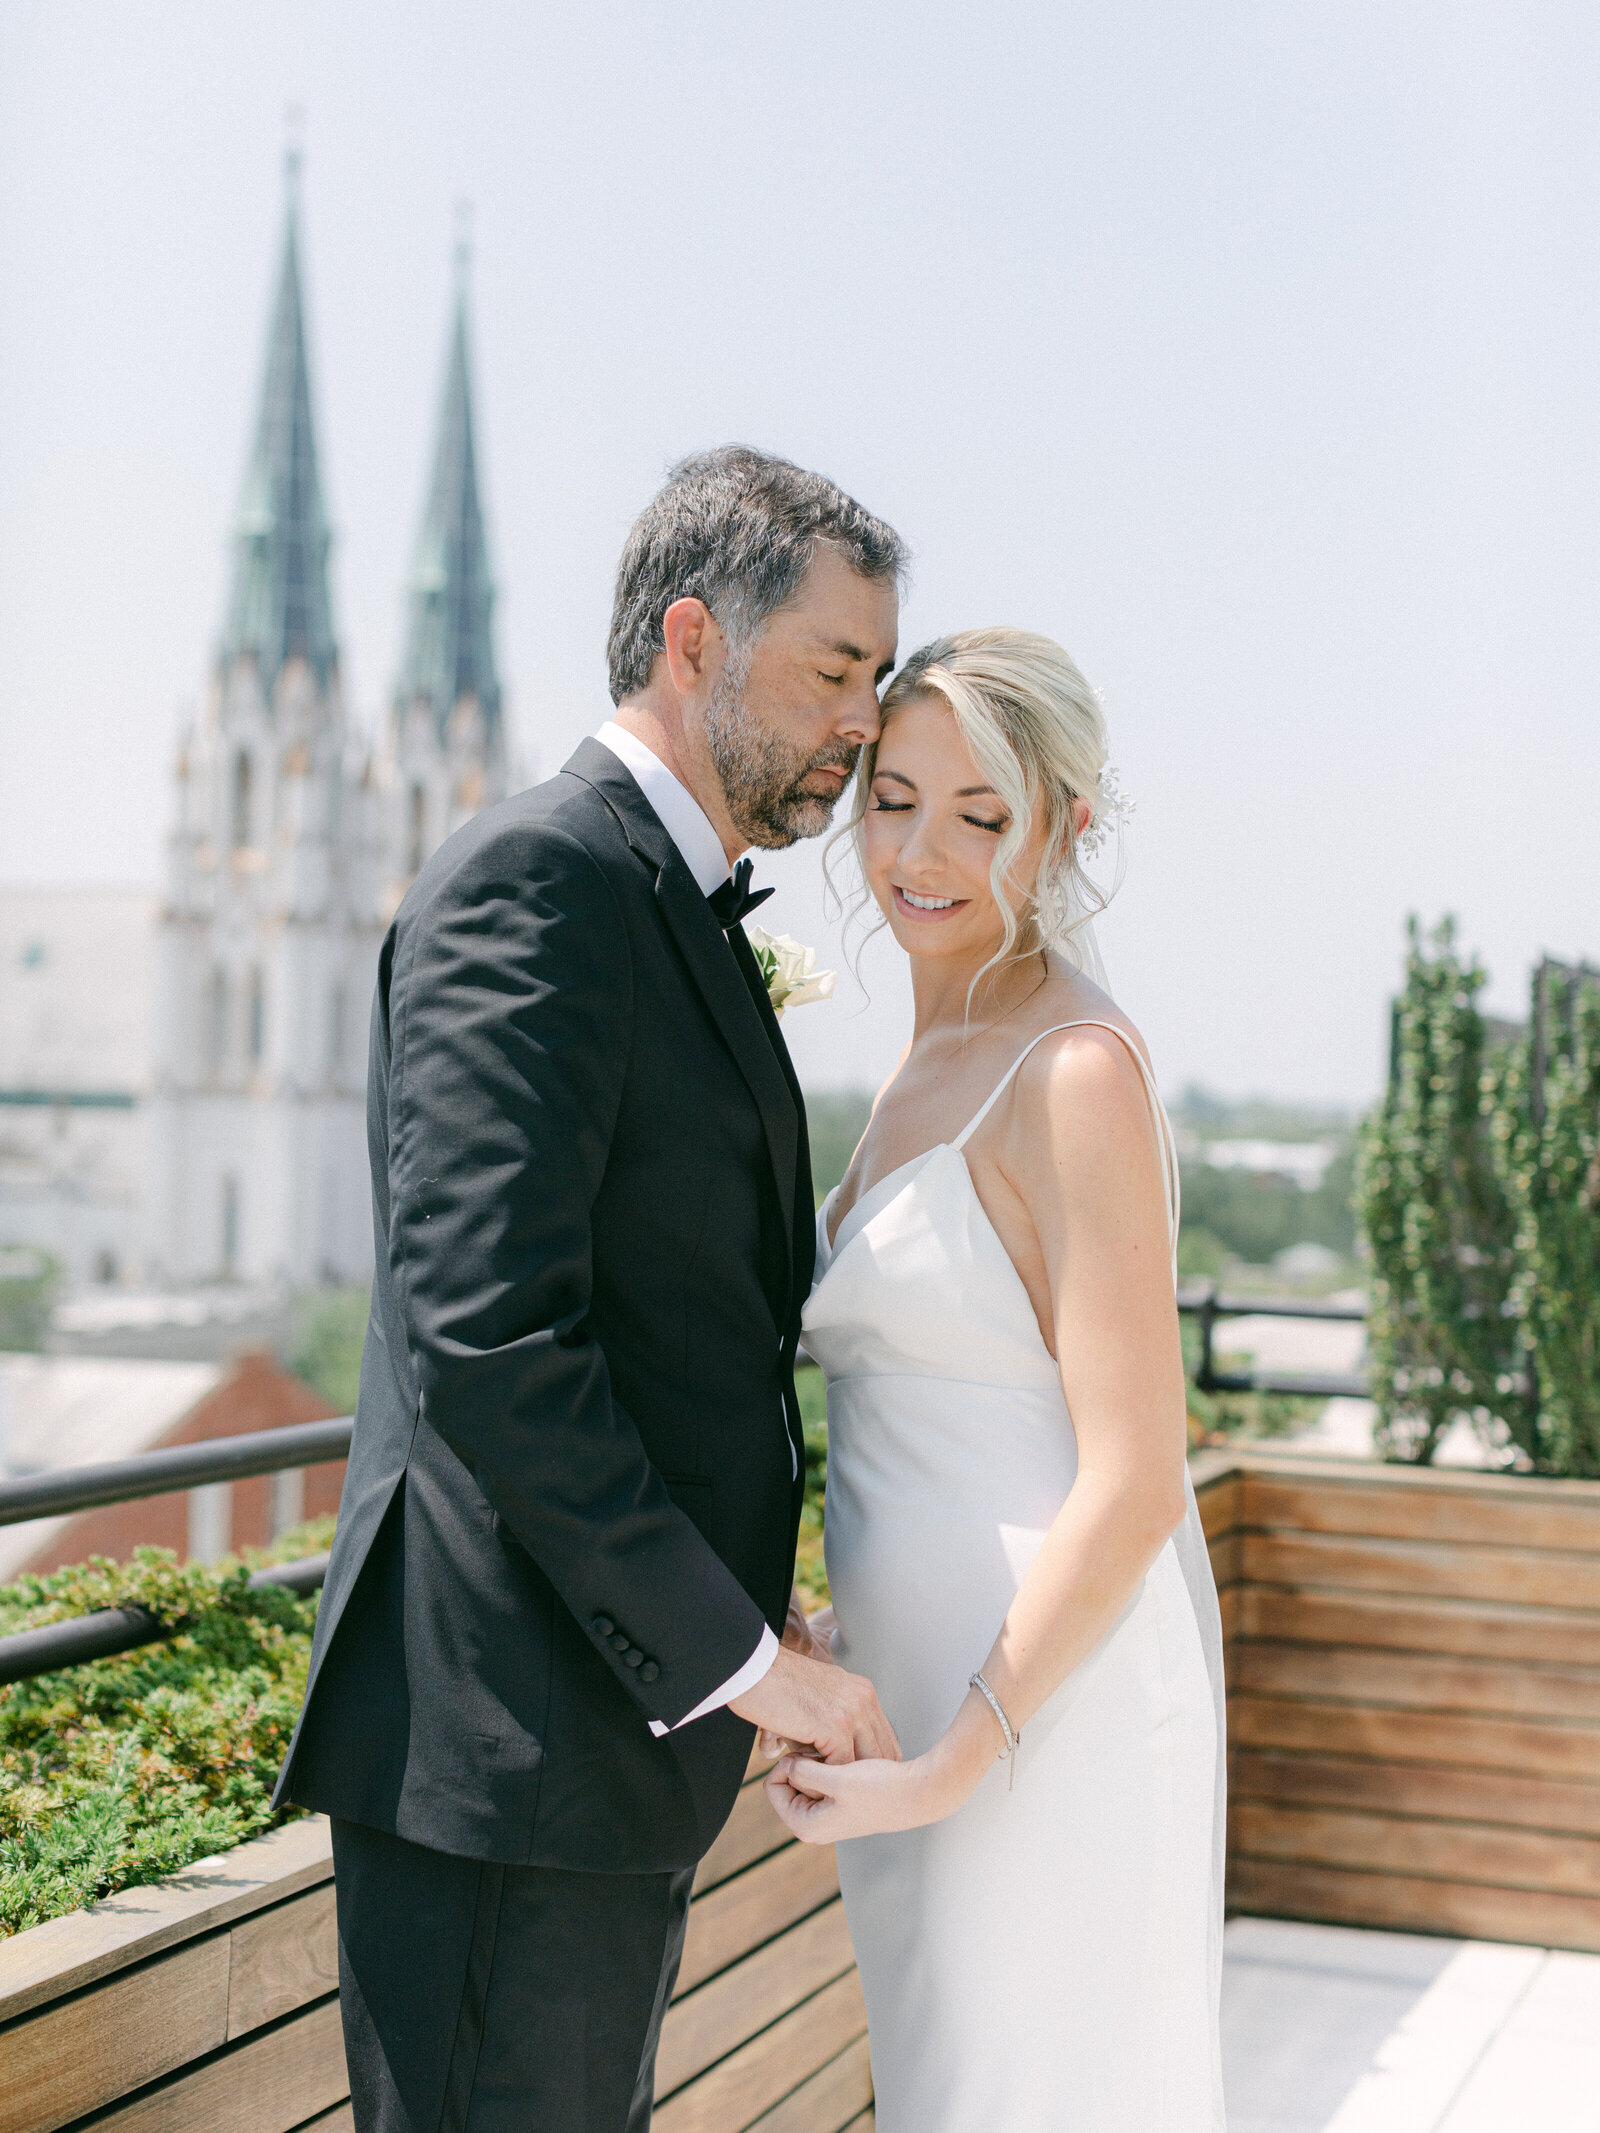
pixel 450 598
pixel 279 607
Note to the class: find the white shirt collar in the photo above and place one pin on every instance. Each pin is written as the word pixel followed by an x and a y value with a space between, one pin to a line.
pixel 681 815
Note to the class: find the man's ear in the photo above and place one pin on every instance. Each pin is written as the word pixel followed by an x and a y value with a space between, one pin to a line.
pixel 690 633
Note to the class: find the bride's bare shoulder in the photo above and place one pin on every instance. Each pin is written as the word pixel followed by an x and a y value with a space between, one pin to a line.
pixel 1084 1080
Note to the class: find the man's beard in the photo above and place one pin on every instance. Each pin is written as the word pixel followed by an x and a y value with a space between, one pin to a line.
pixel 762 775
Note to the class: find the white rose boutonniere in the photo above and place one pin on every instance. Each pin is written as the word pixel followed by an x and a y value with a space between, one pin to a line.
pixel 790 970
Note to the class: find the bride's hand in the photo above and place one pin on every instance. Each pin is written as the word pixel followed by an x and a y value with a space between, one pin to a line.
pixel 823 1802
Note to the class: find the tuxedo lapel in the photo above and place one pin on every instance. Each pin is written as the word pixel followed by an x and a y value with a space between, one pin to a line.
pixel 805 1228
pixel 711 958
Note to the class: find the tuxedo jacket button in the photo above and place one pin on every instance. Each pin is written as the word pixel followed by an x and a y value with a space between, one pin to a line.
pixel 633 1658
pixel 619 1642
pixel 649 1671
pixel 602 1625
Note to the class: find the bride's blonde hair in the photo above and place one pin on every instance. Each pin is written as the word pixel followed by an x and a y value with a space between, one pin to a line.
pixel 1036 731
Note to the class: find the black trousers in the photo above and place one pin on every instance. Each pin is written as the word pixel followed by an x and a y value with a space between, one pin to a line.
pixel 500 1999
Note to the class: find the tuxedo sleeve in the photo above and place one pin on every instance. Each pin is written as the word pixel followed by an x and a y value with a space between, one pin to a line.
pixel 511 1021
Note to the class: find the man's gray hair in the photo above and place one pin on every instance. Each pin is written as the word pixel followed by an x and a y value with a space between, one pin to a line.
pixel 737 529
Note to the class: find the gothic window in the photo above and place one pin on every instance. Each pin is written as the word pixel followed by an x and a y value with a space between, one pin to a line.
pixel 241 799
pixel 217 1021
pixel 415 852
pixel 258 1017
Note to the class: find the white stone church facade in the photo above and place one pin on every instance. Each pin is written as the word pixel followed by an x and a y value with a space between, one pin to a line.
pixel 292 840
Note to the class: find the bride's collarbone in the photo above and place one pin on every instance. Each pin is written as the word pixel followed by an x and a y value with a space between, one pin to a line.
pixel 933 1099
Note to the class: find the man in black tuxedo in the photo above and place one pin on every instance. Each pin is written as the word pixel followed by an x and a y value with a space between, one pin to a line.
pixel 565 1546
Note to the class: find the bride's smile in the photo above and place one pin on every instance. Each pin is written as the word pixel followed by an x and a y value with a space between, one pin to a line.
pixel 912 905
pixel 932 832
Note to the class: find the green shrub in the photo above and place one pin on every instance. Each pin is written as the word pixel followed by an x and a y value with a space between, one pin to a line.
pixel 1438 1218
pixel 29 1281
pixel 1549 1143
pixel 810 1573
pixel 1201 1256
pixel 330 1331
pixel 835 1121
pixel 120 1771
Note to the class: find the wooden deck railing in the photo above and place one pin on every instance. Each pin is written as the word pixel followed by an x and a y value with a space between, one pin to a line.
pixel 1414 1702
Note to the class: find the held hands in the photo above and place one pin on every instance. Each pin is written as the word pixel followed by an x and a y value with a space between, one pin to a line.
pixel 812 1637
pixel 823 1804
pixel 835 1716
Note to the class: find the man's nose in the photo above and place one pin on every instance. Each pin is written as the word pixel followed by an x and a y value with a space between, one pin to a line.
pixel 861 720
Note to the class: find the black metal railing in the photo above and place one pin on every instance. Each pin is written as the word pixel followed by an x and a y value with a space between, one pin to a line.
pixel 177 1466
pixel 271 1451
pixel 1207 1304
pixel 124 1629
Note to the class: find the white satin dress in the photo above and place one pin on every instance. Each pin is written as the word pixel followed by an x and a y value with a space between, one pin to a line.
pixel 1048 1958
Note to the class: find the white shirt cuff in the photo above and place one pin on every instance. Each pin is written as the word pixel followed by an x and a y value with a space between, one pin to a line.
pixel 753 1670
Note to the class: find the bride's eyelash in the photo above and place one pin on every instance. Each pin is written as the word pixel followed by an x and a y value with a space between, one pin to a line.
pixel 882 806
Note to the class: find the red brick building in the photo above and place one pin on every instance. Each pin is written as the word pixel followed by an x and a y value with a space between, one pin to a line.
pixel 252 1393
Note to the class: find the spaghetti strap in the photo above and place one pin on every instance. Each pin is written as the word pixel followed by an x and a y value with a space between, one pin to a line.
pixel 1169 1151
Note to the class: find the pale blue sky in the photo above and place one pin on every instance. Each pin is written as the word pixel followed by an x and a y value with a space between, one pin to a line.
pixel 1251 350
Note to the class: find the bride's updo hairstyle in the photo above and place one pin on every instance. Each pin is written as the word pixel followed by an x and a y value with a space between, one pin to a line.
pixel 1036 731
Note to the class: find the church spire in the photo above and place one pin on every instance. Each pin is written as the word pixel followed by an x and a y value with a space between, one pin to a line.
pixel 450 599
pixel 279 607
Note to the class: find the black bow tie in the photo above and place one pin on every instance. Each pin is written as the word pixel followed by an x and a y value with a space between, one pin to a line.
pixel 736 898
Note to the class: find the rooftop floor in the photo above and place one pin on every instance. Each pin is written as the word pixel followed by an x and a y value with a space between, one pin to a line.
pixel 1327 2029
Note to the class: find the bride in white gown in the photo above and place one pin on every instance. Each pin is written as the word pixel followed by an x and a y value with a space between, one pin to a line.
pixel 1008 1504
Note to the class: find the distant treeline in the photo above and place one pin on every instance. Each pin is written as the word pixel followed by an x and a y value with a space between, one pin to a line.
pixel 836 1120
pixel 1226 1213
pixel 1252 1215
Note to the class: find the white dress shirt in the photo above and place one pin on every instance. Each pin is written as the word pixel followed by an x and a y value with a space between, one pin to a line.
pixel 681 815
pixel 700 848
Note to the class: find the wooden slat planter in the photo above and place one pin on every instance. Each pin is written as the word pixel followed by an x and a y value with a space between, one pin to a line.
pixel 208 2001
pixel 1414 1713
pixel 1414 1695
pixel 209 2004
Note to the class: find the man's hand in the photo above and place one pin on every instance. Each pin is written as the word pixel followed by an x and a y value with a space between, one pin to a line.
pixel 833 1715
